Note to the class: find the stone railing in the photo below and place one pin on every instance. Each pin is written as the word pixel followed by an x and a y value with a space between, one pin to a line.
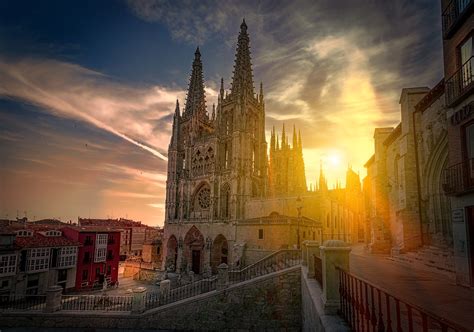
pixel 274 262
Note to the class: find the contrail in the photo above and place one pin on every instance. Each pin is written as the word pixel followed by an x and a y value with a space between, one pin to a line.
pixel 47 99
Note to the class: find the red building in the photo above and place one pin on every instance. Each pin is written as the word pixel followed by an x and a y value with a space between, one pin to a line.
pixel 98 257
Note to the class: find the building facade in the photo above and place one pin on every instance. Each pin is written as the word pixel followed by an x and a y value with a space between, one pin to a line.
pixel 458 52
pixel 133 234
pixel 35 257
pixel 98 256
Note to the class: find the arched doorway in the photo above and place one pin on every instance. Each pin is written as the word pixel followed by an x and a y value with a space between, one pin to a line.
pixel 193 245
pixel 219 253
pixel 172 251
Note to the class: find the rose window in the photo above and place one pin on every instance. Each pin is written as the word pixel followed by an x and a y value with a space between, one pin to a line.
pixel 204 198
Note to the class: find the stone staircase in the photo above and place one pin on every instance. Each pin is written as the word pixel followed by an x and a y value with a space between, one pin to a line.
pixel 429 258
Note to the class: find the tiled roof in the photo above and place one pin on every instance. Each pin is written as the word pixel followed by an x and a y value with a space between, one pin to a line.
pixel 38 240
pixel 123 223
pixel 94 229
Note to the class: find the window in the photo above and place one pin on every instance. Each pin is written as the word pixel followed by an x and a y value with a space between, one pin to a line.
pixel 24 233
pixel 466 52
pixel 62 275
pixel 470 141
pixel 87 257
pixel 5 284
pixel 32 284
pixel 100 255
pixel 101 239
pixel 88 241
pixel 67 257
pixel 260 234
pixel 8 265
pixel 85 274
pixel 109 269
pixel 53 233
pixel 110 256
pixel 97 272
pixel 38 259
pixel 462 4
pixel 158 250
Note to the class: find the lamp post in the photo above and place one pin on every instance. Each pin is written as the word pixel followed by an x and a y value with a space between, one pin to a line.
pixel 299 206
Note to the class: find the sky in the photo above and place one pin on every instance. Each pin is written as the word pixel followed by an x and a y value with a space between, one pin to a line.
pixel 88 89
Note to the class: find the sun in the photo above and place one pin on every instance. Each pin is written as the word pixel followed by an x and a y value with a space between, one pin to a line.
pixel 334 160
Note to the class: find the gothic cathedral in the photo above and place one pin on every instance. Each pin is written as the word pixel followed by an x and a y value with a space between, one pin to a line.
pixel 217 163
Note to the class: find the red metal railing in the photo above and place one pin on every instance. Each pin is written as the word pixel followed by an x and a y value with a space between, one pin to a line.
pixel 366 307
pixel 318 270
pixel 459 178
pixel 460 83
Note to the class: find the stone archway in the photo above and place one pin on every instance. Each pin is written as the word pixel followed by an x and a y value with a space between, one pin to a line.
pixel 172 252
pixel 193 250
pixel 219 252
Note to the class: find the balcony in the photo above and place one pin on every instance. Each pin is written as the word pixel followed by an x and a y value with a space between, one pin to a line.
pixel 454 15
pixel 459 179
pixel 460 84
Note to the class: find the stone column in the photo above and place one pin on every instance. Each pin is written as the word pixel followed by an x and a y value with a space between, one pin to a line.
pixel 312 249
pixel 334 253
pixel 138 300
pixel 165 288
pixel 223 276
pixel 180 255
pixel 53 299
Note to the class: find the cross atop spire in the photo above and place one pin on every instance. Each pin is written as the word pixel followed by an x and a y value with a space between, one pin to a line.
pixel 196 100
pixel 242 81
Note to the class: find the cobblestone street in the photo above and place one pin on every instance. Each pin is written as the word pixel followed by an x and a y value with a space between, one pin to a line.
pixel 434 292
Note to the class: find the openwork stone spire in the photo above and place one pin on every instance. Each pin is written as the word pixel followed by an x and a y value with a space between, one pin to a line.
pixel 196 100
pixel 242 81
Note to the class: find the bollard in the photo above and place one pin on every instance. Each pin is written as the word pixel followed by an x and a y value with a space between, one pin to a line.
pixel 312 249
pixel 165 288
pixel 334 253
pixel 138 300
pixel 222 276
pixel 53 299
pixel 304 253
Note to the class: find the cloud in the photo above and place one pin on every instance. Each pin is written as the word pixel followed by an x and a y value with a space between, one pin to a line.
pixel 335 69
pixel 67 90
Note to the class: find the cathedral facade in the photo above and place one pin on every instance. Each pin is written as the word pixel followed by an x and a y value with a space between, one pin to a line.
pixel 218 164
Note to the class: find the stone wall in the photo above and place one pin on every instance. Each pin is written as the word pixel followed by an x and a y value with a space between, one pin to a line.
pixel 269 302
pixel 313 315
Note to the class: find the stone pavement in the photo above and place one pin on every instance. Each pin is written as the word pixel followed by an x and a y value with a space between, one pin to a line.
pixel 434 292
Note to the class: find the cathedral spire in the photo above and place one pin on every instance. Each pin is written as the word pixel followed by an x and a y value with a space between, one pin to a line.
pixel 278 143
pixel 174 134
pixel 283 137
pixel 221 92
pixel 176 110
pixel 323 186
pixel 272 140
pixel 295 141
pixel 242 81
pixel 260 98
pixel 196 100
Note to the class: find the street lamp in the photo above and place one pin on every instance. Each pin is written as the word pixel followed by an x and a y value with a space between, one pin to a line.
pixel 299 206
